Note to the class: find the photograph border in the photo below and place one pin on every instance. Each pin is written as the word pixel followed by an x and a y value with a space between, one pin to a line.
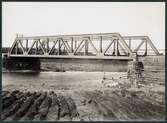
pixel 83 1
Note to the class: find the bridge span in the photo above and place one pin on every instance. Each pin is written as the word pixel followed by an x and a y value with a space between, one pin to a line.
pixel 101 46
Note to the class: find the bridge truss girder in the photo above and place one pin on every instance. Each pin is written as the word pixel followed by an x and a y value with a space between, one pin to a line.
pixel 96 46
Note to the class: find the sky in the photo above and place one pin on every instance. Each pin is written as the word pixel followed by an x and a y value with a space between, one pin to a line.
pixel 58 18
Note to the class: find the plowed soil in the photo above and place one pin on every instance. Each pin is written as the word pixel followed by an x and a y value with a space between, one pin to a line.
pixel 28 106
pixel 80 106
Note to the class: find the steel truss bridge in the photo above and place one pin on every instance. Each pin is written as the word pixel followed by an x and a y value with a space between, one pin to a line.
pixel 86 46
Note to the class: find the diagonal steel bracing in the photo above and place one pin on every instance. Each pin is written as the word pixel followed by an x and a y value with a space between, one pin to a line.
pixel 79 46
pixel 144 40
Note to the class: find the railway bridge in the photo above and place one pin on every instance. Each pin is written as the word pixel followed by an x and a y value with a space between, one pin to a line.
pixel 101 48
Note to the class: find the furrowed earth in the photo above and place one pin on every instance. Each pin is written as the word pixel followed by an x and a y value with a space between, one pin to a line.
pixel 91 100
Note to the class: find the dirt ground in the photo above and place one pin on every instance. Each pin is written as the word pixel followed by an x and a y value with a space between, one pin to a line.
pixel 95 100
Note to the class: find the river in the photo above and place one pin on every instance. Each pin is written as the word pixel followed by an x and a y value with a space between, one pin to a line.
pixel 69 79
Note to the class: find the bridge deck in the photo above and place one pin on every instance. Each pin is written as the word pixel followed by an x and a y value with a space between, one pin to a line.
pixel 78 57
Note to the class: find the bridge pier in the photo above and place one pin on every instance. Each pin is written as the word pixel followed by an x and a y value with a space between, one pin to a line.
pixel 13 64
pixel 135 70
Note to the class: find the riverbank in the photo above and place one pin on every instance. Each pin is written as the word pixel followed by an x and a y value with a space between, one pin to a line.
pixel 84 93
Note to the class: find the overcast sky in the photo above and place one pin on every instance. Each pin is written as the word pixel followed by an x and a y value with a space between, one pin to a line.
pixel 47 18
